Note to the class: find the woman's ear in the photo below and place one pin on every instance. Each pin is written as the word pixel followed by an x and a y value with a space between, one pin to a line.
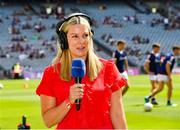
pixel 91 32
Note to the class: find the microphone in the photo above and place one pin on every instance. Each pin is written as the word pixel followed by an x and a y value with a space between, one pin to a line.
pixel 23 125
pixel 78 72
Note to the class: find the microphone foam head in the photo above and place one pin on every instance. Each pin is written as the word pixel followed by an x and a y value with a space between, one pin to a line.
pixel 78 68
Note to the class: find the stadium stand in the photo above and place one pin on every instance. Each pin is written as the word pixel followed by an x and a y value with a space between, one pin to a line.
pixel 30 39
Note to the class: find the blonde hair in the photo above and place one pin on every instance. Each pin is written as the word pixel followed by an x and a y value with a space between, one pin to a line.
pixel 93 63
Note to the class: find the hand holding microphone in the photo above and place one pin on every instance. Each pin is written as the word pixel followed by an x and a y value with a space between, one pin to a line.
pixel 76 92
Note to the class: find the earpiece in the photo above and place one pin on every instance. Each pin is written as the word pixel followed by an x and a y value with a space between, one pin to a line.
pixel 62 35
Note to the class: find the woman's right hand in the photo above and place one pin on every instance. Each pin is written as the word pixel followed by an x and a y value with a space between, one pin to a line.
pixel 76 92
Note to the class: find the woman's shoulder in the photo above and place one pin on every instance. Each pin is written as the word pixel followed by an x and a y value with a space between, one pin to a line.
pixel 52 69
pixel 106 62
pixel 49 68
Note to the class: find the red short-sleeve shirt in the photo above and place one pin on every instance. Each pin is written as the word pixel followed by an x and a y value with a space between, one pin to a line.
pixel 95 105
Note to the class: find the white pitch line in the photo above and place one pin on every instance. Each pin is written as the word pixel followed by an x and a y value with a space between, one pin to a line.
pixel 21 98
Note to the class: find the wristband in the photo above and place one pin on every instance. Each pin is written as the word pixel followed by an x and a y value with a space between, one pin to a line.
pixel 68 103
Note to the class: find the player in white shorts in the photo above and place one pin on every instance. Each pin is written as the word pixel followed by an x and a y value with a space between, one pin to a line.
pixel 121 62
pixel 151 66
pixel 164 77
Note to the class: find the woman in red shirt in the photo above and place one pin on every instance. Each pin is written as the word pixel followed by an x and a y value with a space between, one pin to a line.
pixel 100 91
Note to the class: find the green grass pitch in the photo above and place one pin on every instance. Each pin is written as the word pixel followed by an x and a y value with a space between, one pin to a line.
pixel 15 101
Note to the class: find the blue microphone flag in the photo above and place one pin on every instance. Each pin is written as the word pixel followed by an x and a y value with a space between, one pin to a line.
pixel 78 68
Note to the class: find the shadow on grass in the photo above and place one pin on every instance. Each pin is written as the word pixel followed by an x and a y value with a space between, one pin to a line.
pixel 142 105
